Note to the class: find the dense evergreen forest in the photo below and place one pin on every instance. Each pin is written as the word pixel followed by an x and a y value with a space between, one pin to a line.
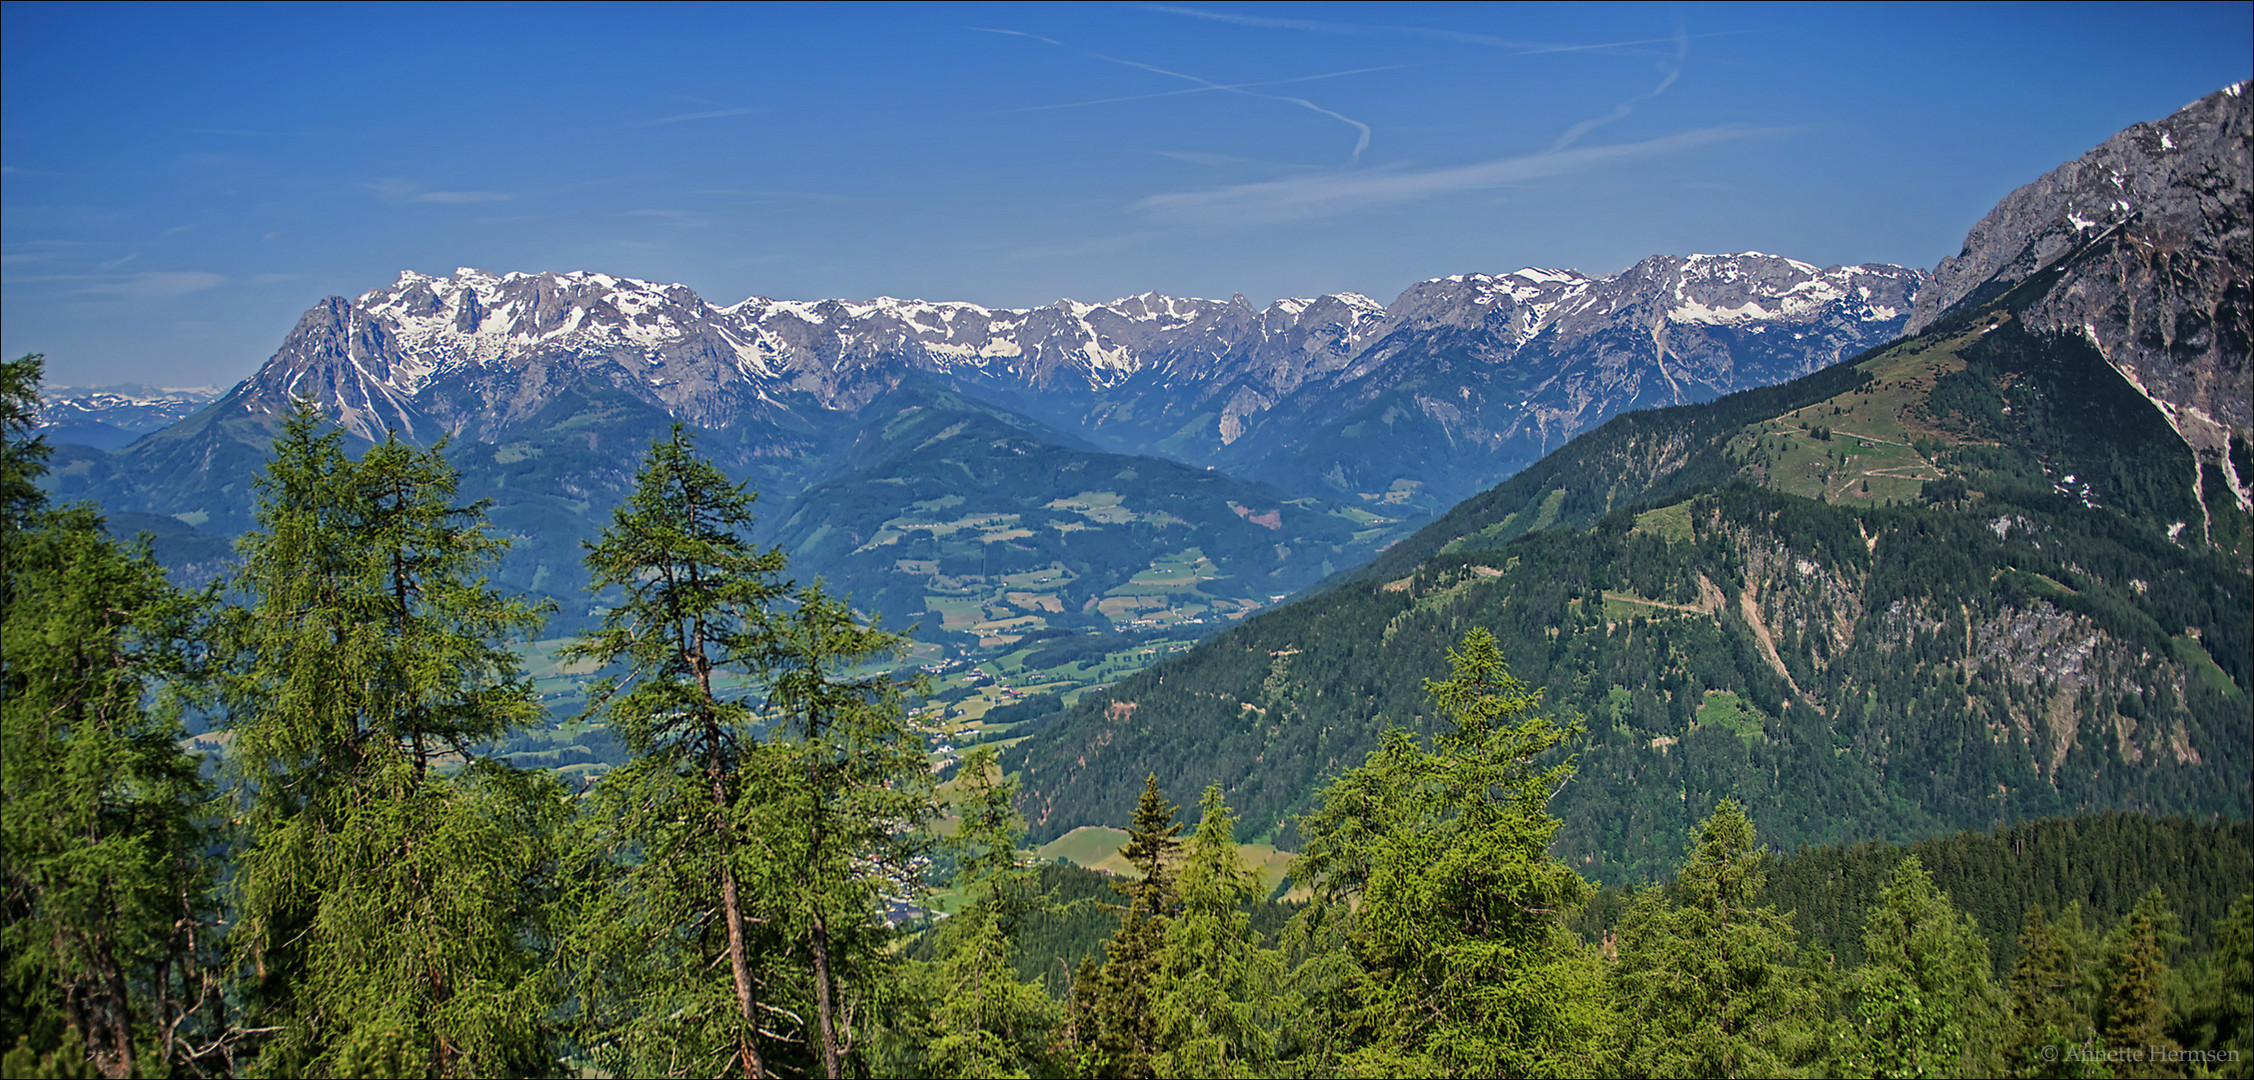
pixel 355 884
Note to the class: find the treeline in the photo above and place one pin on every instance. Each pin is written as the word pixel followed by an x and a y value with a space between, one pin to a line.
pixel 362 887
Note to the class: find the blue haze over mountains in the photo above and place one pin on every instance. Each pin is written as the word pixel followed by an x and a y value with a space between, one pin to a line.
pixel 1340 422
pixel 2042 607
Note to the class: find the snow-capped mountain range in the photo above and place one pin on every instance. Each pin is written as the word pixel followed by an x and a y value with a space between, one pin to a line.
pixel 1530 357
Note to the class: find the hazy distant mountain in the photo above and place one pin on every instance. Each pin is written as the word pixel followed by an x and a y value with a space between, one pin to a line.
pixel 1458 383
pixel 108 417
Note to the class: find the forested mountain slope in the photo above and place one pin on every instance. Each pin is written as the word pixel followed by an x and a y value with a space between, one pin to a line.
pixel 1973 577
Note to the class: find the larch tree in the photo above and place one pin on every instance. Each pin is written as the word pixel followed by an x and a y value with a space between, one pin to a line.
pixel 672 951
pixel 105 921
pixel 849 808
pixel 735 880
pixel 391 897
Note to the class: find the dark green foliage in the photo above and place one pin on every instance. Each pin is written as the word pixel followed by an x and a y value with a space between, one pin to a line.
pixel 388 908
pixel 1115 1024
pixel 1436 863
pixel 1704 984
pixel 2099 865
pixel 105 845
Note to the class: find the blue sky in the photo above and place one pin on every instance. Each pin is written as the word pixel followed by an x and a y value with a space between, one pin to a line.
pixel 182 181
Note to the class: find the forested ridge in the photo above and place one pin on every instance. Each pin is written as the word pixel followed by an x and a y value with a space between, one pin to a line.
pixel 773 884
pixel 1964 580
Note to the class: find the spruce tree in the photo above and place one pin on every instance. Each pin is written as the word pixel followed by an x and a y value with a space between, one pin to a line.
pixel 2137 1013
pixel 1215 997
pixel 2044 1018
pixel 987 1022
pixel 1122 1039
pixel 1922 1003
pixel 1463 961
pixel 1705 986
pixel 390 903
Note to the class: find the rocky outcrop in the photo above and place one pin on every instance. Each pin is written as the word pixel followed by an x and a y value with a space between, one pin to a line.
pixel 2150 237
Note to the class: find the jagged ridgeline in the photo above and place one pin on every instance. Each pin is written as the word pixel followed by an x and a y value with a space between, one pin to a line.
pixel 1995 571
pixel 1147 462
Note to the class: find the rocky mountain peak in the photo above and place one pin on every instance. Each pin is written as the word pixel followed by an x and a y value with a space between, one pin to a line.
pixel 2150 236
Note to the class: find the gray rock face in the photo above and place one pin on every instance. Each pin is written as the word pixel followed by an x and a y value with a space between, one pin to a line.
pixel 2149 236
pixel 1497 367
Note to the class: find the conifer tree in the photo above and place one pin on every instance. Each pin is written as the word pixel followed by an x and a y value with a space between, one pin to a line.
pixel 1121 1033
pixel 1214 1005
pixel 1923 1002
pixel 668 975
pixel 988 1023
pixel 849 820
pixel 735 882
pixel 2136 1002
pixel 2234 964
pixel 2044 1013
pixel 1464 964
pixel 104 921
pixel 389 898
pixel 1704 986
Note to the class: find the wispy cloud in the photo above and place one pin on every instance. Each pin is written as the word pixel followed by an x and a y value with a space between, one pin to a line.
pixel 1516 45
pixel 1362 130
pixel 1101 245
pixel 1669 71
pixel 1329 195
pixel 1230 87
pixel 463 198
pixel 1204 85
pixel 152 284
pixel 397 190
pixel 1017 33
pixel 708 114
